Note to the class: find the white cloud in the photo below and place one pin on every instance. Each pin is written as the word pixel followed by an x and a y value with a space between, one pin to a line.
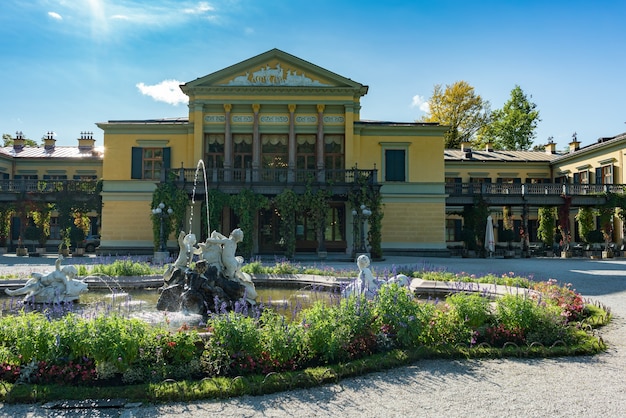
pixel 200 8
pixel 421 103
pixel 167 91
pixel 108 18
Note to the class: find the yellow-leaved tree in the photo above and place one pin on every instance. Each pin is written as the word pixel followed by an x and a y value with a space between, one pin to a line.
pixel 459 107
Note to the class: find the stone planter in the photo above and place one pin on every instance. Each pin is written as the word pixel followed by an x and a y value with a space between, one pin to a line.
pixel 21 252
pixel 566 254
pixel 607 254
pixel 4 250
pixel 78 252
pixel 65 252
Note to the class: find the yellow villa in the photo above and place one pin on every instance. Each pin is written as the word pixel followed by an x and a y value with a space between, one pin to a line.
pixel 276 125
pixel 270 123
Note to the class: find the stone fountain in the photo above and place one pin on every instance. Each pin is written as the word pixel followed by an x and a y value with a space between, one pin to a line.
pixel 58 286
pixel 215 281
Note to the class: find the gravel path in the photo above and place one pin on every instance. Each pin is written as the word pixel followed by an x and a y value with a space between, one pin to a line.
pixel 571 387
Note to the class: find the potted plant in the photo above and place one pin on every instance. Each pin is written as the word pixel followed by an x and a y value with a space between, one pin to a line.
pixel 43 238
pixel 547 225
pixel 606 214
pixel 21 251
pixel 77 238
pixel 64 245
pixel 32 234
pixel 508 235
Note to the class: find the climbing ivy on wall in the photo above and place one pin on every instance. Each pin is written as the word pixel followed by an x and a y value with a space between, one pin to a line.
pixel 288 205
pixel 174 198
pixel 363 193
pixel 246 204
pixel 316 205
pixel 6 211
pixel 475 223
pixel 585 219
pixel 547 225
pixel 217 201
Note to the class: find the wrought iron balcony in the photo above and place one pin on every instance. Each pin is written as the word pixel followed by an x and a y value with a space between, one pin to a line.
pixel 47 186
pixel 534 194
pixel 553 189
pixel 271 180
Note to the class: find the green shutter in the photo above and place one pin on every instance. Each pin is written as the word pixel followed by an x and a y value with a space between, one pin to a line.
pixel 136 163
pixel 167 158
pixel 394 165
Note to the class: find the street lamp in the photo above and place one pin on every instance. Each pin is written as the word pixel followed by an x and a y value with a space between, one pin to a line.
pixel 359 218
pixel 162 214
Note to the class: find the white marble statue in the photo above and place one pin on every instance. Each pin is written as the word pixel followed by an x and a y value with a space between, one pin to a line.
pixel 211 252
pixel 229 261
pixel 228 245
pixel 57 286
pixel 366 284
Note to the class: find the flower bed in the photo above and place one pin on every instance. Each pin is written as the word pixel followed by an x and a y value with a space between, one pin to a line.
pixel 110 349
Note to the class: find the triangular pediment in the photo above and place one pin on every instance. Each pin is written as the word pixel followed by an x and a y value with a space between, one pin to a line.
pixel 274 68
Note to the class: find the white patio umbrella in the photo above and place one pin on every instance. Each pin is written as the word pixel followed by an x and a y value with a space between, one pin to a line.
pixel 490 244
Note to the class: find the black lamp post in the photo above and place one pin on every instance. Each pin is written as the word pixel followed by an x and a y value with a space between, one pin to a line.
pixel 359 218
pixel 162 214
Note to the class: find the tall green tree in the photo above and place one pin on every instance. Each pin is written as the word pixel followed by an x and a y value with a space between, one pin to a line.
pixel 459 107
pixel 512 127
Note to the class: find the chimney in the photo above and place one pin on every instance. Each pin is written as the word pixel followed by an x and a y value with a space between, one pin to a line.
pixel 86 141
pixel 49 141
pixel 550 146
pixel 575 144
pixel 466 147
pixel 18 142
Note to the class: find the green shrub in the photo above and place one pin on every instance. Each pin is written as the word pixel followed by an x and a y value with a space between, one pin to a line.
pixel 401 317
pixel 338 333
pixel 470 307
pixel 283 343
pixel 124 267
pixel 234 346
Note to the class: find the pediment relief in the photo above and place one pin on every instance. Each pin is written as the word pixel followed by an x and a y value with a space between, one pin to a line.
pixel 274 68
pixel 276 74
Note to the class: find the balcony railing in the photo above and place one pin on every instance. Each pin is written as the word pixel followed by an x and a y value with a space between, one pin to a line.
pixel 47 186
pixel 535 189
pixel 273 175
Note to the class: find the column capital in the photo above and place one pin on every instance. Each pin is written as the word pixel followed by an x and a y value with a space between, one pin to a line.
pixel 228 107
pixel 256 108
pixel 320 108
pixel 291 107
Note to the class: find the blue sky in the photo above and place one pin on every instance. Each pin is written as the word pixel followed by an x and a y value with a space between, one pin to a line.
pixel 68 64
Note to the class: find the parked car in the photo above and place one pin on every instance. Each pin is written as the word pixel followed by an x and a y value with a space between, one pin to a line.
pixel 91 242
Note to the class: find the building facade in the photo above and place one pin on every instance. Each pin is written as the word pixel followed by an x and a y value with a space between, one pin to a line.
pixel 273 122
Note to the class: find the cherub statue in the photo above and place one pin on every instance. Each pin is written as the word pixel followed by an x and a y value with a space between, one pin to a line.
pixel 365 283
pixel 211 252
pixel 56 286
pixel 229 248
